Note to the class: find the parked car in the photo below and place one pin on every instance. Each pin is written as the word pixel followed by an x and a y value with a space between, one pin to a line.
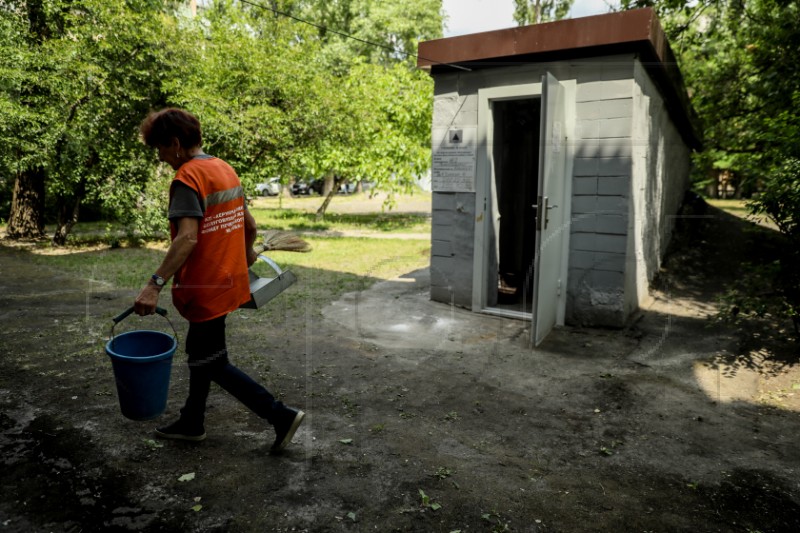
pixel 318 186
pixel 301 187
pixel 271 187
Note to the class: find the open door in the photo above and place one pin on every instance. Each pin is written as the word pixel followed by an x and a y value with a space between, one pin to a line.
pixel 550 208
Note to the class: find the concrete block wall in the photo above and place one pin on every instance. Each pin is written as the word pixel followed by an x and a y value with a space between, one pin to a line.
pixel 604 87
pixel 453 213
pixel 660 176
pixel 629 173
pixel 600 195
pixel 452 248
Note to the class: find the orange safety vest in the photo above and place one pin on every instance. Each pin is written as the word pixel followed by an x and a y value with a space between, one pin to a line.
pixel 214 280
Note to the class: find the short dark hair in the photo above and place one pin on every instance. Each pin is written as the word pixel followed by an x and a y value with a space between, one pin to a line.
pixel 160 127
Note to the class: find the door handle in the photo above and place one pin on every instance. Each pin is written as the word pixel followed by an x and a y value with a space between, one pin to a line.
pixel 541 218
pixel 539 213
pixel 547 209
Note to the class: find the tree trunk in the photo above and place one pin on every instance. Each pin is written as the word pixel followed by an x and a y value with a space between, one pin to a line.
pixel 329 185
pixel 68 215
pixel 331 193
pixel 26 220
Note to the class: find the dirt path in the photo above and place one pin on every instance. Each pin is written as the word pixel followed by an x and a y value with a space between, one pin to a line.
pixel 672 424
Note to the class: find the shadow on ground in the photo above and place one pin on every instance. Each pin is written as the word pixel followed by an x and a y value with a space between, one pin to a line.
pixel 422 417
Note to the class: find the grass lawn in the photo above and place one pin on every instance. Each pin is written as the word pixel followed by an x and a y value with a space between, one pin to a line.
pixel 303 221
pixel 739 208
pixel 354 212
pixel 335 265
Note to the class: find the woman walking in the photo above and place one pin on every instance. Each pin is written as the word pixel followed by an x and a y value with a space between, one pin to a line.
pixel 212 246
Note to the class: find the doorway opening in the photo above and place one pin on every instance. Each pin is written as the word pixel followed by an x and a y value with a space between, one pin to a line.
pixel 515 165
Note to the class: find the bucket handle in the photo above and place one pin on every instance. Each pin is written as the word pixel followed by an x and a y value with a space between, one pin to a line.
pixel 123 315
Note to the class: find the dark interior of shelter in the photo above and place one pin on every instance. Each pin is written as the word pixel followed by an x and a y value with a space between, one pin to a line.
pixel 515 157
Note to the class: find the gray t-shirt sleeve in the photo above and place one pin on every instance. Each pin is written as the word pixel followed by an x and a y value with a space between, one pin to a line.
pixel 184 202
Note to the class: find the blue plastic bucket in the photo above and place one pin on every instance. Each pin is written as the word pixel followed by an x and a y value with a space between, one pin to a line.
pixel 142 363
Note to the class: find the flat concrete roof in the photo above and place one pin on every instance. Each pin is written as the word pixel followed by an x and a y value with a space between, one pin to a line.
pixel 635 31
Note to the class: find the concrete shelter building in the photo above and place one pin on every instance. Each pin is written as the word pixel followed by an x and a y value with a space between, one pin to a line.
pixel 561 155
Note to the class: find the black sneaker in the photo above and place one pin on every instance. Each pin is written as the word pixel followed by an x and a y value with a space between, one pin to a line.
pixel 181 431
pixel 284 429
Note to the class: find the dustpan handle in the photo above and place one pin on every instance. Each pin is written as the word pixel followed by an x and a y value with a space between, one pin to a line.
pixel 271 263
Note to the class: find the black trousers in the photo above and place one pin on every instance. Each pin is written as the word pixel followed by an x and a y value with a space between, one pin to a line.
pixel 208 361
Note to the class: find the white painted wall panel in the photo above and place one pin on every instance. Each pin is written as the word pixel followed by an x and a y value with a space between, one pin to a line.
pixel 604 148
pixel 660 176
pixel 585 185
pixel 613 185
pixel 619 108
pixel 604 90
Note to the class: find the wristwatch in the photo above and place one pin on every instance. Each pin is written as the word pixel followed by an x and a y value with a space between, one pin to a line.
pixel 158 280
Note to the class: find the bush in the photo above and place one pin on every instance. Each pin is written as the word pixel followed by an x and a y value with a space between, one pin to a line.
pixel 772 287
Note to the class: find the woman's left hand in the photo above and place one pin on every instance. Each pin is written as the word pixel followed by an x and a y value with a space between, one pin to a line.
pixel 252 257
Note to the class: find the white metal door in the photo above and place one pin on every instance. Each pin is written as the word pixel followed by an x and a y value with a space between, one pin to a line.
pixel 551 200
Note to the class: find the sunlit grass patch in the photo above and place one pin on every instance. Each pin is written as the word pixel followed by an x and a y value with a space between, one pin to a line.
pixel 335 265
pixel 738 207
pixel 299 220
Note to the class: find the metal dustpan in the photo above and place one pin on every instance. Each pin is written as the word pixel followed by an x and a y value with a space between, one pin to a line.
pixel 262 290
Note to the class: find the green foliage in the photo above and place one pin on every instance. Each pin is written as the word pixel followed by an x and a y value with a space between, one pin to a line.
pixel 387 128
pixel 427 503
pixel 380 129
pixel 738 61
pixel 77 78
pixel 396 27
pixel 297 220
pixel 537 11
pixel 780 199
pixel 738 58
pixel 256 94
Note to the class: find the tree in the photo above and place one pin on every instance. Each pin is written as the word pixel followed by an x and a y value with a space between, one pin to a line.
pixel 23 128
pixel 353 28
pixel 257 86
pixel 737 58
pixel 270 95
pixel 375 138
pixel 739 62
pixel 98 152
pixel 538 11
pixel 82 81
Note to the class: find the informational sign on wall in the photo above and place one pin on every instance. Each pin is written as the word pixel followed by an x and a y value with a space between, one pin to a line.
pixel 454 155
